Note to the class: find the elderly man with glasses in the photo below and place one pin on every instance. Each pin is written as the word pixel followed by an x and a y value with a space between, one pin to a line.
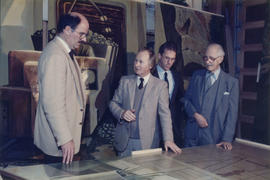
pixel 211 103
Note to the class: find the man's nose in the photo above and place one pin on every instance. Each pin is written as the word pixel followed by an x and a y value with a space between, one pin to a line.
pixel 83 39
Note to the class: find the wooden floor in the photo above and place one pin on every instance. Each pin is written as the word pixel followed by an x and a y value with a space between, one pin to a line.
pixel 204 162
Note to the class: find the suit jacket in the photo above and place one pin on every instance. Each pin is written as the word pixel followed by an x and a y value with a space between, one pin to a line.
pixel 61 104
pixel 224 114
pixel 154 112
pixel 176 107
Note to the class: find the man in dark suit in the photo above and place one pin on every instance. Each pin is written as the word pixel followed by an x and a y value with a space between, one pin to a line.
pixel 163 70
pixel 141 106
pixel 211 102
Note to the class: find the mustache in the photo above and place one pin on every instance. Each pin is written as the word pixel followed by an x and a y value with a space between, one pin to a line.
pixel 83 42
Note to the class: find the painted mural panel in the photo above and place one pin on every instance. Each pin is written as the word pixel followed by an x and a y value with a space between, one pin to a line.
pixel 190 29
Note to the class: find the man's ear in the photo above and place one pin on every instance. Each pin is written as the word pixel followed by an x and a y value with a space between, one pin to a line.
pixel 221 59
pixel 159 56
pixel 67 30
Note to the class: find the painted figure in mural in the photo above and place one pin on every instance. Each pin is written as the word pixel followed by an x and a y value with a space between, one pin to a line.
pixel 164 71
pixel 61 105
pixel 141 106
pixel 211 103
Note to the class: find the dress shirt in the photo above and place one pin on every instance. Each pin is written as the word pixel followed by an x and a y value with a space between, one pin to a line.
pixel 146 78
pixel 64 44
pixel 213 75
pixel 169 76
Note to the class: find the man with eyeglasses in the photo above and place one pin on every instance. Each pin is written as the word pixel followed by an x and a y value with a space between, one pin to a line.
pixel 211 103
pixel 164 70
pixel 61 105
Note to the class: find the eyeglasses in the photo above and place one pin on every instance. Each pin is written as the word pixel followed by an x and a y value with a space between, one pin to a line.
pixel 168 58
pixel 205 58
pixel 82 34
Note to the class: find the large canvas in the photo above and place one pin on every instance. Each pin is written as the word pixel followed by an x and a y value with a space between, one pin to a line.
pixel 190 29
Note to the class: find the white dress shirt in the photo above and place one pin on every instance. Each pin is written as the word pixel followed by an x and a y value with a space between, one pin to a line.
pixel 145 80
pixel 213 75
pixel 169 76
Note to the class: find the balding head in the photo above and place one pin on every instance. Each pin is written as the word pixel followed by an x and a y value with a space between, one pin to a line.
pixel 217 48
pixel 73 28
pixel 82 18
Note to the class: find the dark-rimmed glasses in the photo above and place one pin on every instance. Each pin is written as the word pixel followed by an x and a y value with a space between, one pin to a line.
pixel 81 34
pixel 205 58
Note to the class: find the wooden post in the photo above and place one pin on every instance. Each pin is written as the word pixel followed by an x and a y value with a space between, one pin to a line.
pixel 45 24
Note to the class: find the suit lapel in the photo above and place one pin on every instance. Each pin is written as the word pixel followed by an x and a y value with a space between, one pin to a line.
pixel 222 87
pixel 201 83
pixel 148 88
pixel 131 89
pixel 75 70
pixel 79 81
pixel 176 84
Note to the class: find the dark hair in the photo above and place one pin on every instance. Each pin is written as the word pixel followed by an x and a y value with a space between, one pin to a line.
pixel 169 45
pixel 151 55
pixel 67 20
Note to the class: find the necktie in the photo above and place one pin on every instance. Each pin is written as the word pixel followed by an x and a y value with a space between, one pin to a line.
pixel 166 78
pixel 72 54
pixel 208 82
pixel 141 83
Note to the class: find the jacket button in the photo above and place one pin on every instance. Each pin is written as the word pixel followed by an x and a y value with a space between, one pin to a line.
pixel 81 109
pixel 80 123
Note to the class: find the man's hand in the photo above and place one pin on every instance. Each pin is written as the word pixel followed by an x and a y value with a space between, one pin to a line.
pixel 200 120
pixel 129 115
pixel 172 146
pixel 225 145
pixel 68 152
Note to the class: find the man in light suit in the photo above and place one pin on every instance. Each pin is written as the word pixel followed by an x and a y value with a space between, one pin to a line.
pixel 141 106
pixel 61 105
pixel 211 102
pixel 164 71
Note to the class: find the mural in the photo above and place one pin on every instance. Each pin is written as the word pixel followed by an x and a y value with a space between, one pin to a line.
pixel 190 29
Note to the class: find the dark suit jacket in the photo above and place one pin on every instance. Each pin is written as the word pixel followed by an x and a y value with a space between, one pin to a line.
pixel 176 107
pixel 225 110
pixel 154 114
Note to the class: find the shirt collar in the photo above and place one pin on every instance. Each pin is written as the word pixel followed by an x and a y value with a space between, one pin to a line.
pixel 63 42
pixel 161 71
pixel 215 73
pixel 145 79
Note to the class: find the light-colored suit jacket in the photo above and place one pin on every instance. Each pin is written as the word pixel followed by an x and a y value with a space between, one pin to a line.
pixel 61 104
pixel 154 115
pixel 223 119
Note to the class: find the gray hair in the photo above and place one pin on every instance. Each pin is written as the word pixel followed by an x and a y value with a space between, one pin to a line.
pixel 218 48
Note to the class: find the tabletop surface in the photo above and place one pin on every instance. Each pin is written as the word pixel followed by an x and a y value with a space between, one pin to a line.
pixel 204 162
